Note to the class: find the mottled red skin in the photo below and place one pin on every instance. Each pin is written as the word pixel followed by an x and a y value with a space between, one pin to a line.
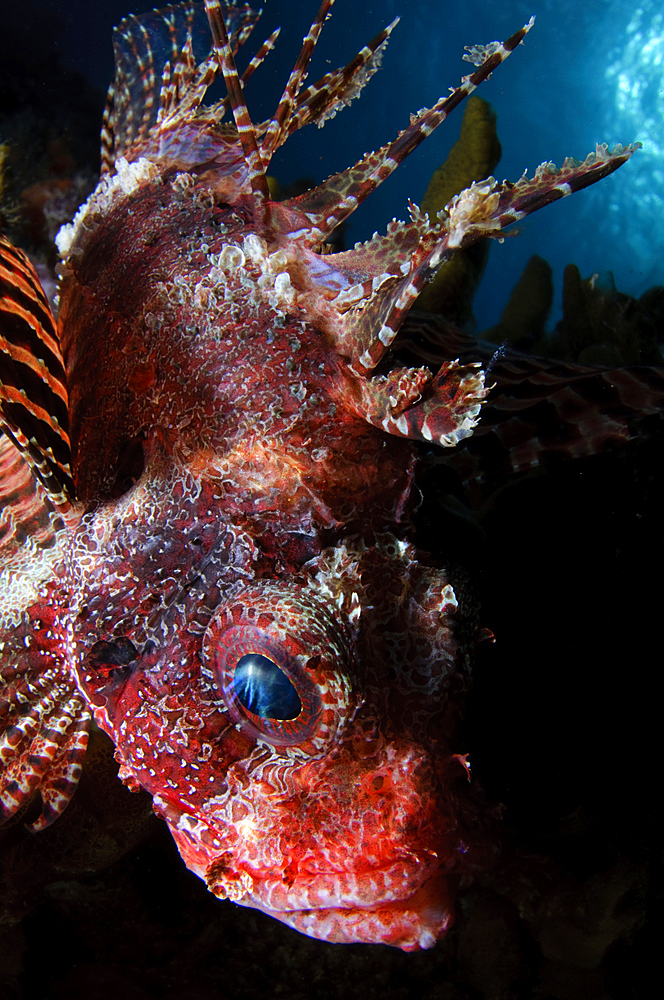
pixel 237 489
pixel 242 485
pixel 134 381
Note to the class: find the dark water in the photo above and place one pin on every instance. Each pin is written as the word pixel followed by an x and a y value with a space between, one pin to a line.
pixel 587 73
pixel 562 722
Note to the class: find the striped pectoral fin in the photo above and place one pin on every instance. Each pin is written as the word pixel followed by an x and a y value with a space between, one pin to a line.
pixel 33 390
pixel 411 403
pixel 541 410
pixel 32 535
pixel 43 723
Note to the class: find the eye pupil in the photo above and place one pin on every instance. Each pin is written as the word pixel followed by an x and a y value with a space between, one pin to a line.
pixel 264 689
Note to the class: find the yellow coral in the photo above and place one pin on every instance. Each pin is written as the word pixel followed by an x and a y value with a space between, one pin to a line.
pixel 472 158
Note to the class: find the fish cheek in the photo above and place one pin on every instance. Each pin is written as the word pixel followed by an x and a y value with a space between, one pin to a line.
pixel 173 735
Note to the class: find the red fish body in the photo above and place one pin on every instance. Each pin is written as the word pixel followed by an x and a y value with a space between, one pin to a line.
pixel 217 464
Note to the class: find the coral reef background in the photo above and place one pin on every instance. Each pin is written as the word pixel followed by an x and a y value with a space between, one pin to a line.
pixel 562 724
pixel 587 73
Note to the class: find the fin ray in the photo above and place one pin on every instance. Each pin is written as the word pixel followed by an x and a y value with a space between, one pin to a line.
pixel 177 36
pixel 33 389
pixel 336 198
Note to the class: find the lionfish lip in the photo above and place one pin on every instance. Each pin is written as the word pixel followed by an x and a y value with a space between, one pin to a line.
pixel 412 924
pixel 387 885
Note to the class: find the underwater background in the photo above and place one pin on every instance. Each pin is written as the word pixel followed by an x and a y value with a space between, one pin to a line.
pixel 563 727
pixel 587 73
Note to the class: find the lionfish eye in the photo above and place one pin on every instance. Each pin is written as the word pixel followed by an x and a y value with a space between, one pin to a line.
pixel 276 662
pixel 262 688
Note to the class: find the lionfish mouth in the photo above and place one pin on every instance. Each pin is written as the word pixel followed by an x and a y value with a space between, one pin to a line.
pixel 411 924
pixel 406 905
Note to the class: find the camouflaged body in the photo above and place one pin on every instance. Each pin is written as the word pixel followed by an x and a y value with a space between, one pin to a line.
pixel 215 450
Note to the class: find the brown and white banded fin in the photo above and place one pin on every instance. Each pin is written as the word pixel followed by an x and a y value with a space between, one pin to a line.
pixel 277 129
pixel 387 275
pixel 328 204
pixel 33 390
pixel 410 403
pixel 389 272
pixel 486 207
pixel 258 59
pixel 540 410
pixel 256 169
pixel 43 719
pixel 43 722
pixel 29 523
pixel 162 66
pixel 321 101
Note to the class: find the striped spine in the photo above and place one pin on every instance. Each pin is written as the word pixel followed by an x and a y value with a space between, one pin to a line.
pixel 33 391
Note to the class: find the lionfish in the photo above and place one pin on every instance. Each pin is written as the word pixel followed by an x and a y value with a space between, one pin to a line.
pixel 207 482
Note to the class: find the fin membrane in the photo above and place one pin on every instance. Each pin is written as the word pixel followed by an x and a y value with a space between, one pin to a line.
pixel 43 718
pixel 149 52
pixel 33 391
pixel 43 727
pixel 540 410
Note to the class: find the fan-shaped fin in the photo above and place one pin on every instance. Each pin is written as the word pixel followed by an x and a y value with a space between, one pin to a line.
pixel 28 520
pixel 43 727
pixel 540 409
pixel 157 57
pixel 33 392
pixel 410 403
pixel 43 719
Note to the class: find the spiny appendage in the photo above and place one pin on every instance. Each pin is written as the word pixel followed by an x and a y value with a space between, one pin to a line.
pixel 163 68
pixel 276 130
pixel 28 521
pixel 331 202
pixel 484 209
pixel 33 392
pixel 155 99
pixel 410 403
pixel 389 272
pixel 256 175
pixel 321 101
pixel 594 409
pixel 43 732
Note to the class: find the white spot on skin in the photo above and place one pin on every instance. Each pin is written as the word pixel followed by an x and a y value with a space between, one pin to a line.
pixel 231 257
pixel 127 179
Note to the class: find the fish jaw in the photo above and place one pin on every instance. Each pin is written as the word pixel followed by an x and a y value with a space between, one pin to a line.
pixel 413 924
pixel 363 868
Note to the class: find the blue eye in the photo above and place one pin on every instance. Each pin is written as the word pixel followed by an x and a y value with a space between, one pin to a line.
pixel 262 688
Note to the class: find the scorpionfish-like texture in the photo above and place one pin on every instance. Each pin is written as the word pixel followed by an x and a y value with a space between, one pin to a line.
pixel 206 476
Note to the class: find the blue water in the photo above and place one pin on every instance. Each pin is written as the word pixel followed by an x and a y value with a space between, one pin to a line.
pixel 587 73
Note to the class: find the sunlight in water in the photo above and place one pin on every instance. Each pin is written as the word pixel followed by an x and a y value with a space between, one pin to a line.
pixel 636 71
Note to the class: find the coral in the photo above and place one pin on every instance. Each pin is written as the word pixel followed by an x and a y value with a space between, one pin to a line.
pixel 473 157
